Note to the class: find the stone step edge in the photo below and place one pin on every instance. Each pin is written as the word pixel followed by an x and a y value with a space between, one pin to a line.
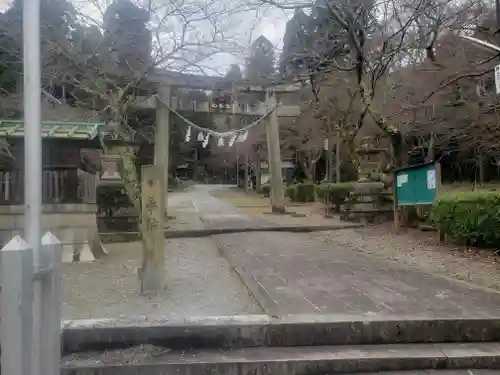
pixel 289 360
pixel 468 371
pixel 262 330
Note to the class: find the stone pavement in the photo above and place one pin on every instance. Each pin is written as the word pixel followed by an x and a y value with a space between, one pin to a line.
pixel 296 274
pixel 213 212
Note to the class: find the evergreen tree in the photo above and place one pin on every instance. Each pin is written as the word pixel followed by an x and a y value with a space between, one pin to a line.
pixel 312 43
pixel 261 62
pixel 127 35
pixel 295 43
pixel 57 26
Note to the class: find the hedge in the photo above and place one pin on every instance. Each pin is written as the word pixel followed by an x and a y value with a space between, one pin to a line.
pixel 335 194
pixel 472 217
pixel 290 192
pixel 303 192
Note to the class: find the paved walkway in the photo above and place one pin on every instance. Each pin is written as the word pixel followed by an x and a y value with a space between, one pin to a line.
pixel 213 212
pixel 294 273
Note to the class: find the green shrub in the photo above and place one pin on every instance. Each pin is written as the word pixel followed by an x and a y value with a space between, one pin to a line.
pixel 335 194
pixel 290 192
pixel 472 217
pixel 266 190
pixel 304 192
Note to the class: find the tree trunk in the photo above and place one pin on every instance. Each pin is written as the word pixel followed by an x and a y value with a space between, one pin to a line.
pixel 246 172
pixel 306 168
pixel 353 155
pixel 257 175
pixel 128 173
pixel 337 158
pixel 330 158
pixel 312 171
pixel 480 163
pixel 196 164
pixel 152 265
pixel 431 154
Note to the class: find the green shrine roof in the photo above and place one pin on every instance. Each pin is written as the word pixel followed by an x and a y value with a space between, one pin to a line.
pixel 54 129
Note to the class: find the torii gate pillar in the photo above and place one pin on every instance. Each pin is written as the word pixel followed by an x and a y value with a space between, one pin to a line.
pixel 274 156
pixel 162 139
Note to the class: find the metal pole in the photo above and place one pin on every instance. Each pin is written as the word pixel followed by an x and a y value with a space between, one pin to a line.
pixel 33 155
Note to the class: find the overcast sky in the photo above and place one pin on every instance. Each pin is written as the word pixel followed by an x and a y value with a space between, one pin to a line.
pixel 268 22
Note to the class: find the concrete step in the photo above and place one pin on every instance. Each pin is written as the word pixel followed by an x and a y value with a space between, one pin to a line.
pixel 307 360
pixel 470 371
pixel 230 332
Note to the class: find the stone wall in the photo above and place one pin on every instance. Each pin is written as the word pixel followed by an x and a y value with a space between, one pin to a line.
pixel 74 224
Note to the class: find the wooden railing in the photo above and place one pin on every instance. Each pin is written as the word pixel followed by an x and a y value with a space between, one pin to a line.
pixel 59 185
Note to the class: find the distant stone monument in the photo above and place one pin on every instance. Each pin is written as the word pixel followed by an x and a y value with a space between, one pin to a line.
pixel 371 197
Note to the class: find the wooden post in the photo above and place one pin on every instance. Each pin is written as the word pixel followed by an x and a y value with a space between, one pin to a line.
pixel 152 272
pixel 162 139
pixel 439 185
pixel 274 156
pixel 395 207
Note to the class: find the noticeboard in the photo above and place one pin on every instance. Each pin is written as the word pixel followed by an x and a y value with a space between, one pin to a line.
pixel 416 185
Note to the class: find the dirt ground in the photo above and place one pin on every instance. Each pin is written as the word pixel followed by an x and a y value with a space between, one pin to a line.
pixel 421 250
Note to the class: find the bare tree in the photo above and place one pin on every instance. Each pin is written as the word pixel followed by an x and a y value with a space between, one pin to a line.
pixel 453 107
pixel 376 39
pixel 104 58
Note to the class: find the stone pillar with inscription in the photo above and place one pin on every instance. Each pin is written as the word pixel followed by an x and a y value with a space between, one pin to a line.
pixel 152 271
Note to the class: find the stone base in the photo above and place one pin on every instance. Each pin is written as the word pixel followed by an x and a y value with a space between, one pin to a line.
pixel 73 224
pixel 366 205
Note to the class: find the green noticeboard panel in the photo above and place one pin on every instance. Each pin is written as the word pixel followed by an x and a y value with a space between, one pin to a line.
pixel 416 185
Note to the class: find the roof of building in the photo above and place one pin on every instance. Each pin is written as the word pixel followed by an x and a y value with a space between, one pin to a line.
pixel 54 129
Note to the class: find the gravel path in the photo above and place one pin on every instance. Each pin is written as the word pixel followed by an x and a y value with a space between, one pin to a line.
pixel 200 282
pixel 420 250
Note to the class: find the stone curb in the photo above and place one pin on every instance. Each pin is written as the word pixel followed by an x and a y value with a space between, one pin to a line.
pixel 207 232
pixel 302 360
pixel 262 330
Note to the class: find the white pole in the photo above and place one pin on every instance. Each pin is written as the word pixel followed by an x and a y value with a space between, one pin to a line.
pixel 33 155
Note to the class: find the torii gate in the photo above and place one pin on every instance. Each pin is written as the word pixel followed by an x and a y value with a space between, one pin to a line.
pixel 155 178
pixel 166 80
